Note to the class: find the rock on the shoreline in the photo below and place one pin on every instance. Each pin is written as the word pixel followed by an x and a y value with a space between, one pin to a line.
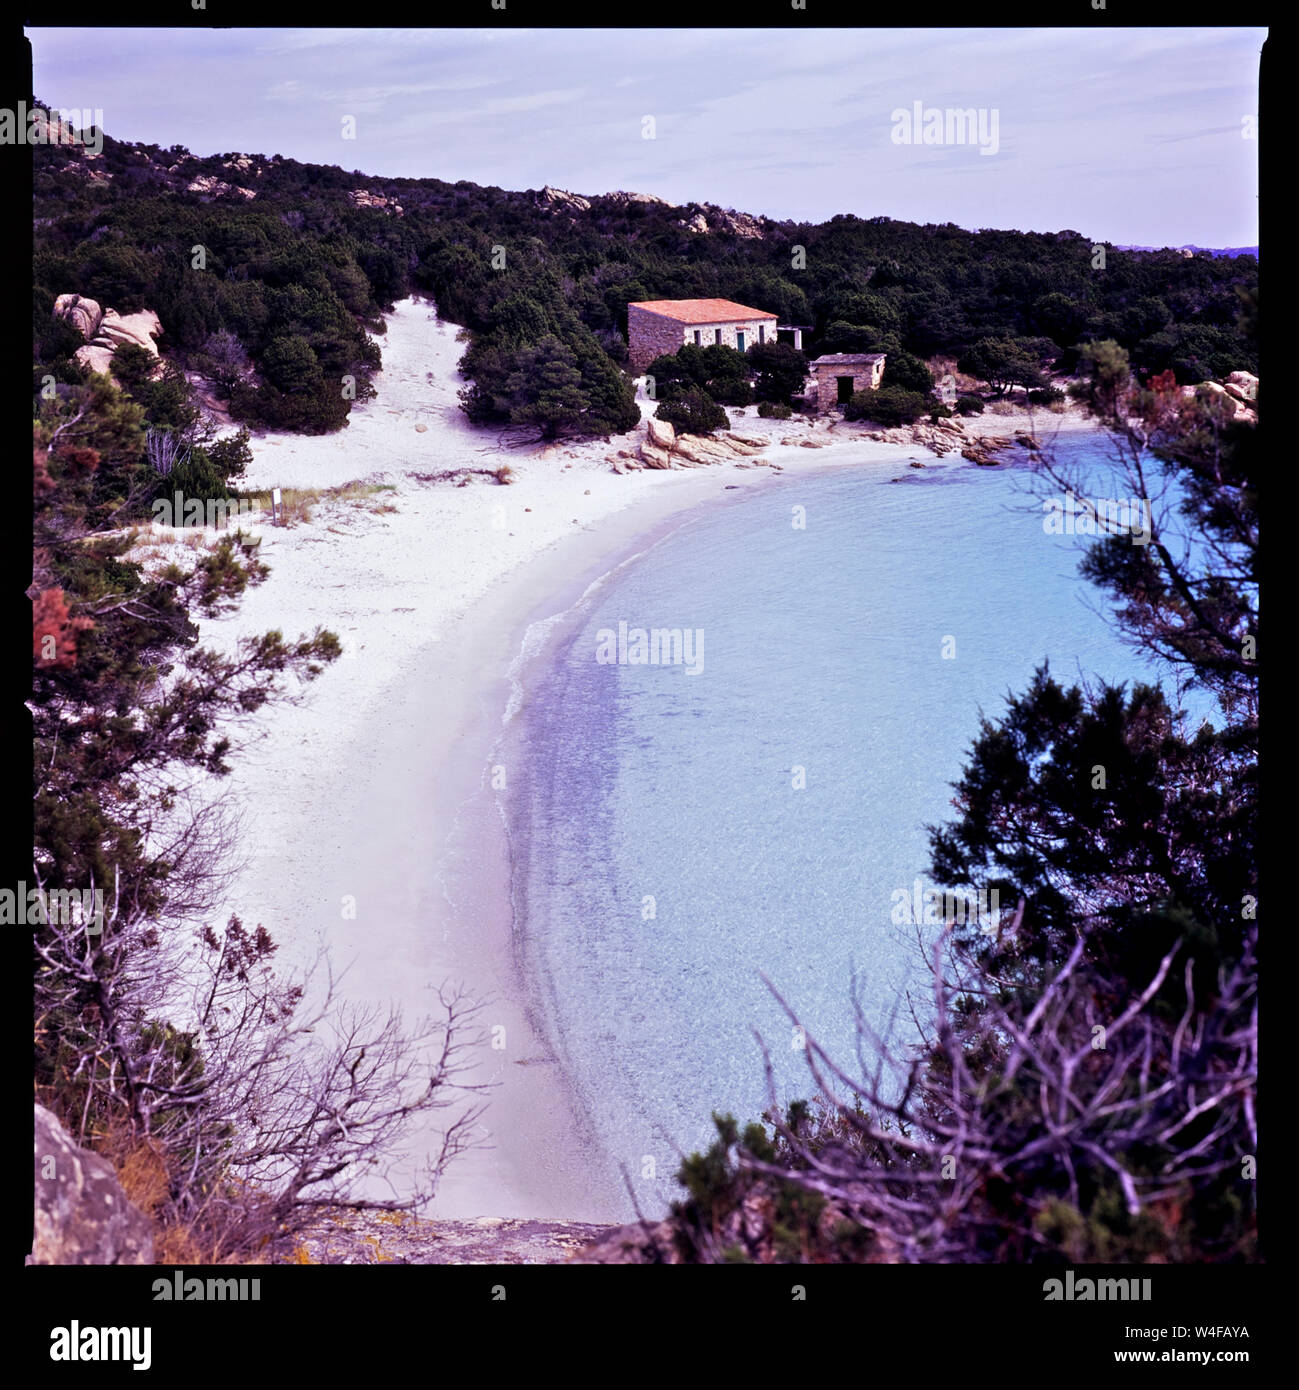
pixel 663 447
pixel 654 457
pixel 700 450
pixel 660 433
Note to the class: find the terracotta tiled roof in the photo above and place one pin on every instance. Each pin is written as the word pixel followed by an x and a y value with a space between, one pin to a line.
pixel 847 359
pixel 700 310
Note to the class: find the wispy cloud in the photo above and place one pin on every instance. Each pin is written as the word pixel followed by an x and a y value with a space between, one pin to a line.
pixel 794 124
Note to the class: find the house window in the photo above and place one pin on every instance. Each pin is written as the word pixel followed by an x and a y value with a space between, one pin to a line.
pixel 717 335
pixel 699 338
pixel 762 332
pixel 739 340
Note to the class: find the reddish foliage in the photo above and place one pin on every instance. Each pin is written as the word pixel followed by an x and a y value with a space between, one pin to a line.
pixel 43 483
pixel 1165 382
pixel 1161 403
pixel 53 626
pixel 79 459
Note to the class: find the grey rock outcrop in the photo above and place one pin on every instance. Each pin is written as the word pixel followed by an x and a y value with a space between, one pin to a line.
pixel 711 218
pixel 654 457
pixel 211 187
pixel 622 198
pixel 82 1215
pixel 1242 385
pixel 561 200
pixel 85 315
pixel 351 1237
pixel 360 198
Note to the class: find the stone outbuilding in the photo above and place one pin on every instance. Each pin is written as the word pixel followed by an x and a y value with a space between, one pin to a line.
pixel 658 326
pixel 841 374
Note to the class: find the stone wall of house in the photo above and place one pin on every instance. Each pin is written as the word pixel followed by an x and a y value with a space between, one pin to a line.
pixel 650 335
pixel 865 377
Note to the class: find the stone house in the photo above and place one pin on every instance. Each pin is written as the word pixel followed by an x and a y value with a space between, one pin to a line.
pixel 841 374
pixel 658 326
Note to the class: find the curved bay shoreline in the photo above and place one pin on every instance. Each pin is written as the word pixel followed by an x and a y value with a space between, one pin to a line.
pixel 377 786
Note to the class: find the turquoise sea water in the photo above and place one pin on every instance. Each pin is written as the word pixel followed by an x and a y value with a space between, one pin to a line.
pixel 676 835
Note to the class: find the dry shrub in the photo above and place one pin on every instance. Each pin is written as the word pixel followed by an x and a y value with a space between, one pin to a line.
pixel 142 1171
pixel 296 503
pixel 175 1245
pixel 219 1231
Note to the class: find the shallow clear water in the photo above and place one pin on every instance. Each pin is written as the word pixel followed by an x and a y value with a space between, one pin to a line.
pixel 664 854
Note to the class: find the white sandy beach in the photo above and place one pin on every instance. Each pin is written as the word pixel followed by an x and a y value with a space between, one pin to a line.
pixel 374 786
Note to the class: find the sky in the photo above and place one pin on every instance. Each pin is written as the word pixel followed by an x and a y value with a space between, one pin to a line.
pixel 1134 136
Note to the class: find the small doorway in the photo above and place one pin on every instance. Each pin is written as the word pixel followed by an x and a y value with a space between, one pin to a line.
pixel 739 340
pixel 844 383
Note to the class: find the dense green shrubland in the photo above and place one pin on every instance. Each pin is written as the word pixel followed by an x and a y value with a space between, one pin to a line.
pixel 295 277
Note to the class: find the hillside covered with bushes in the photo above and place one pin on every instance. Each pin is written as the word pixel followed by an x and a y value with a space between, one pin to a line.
pixel 270 278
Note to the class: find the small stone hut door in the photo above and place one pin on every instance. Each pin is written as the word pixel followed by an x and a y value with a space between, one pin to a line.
pixel 844 384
